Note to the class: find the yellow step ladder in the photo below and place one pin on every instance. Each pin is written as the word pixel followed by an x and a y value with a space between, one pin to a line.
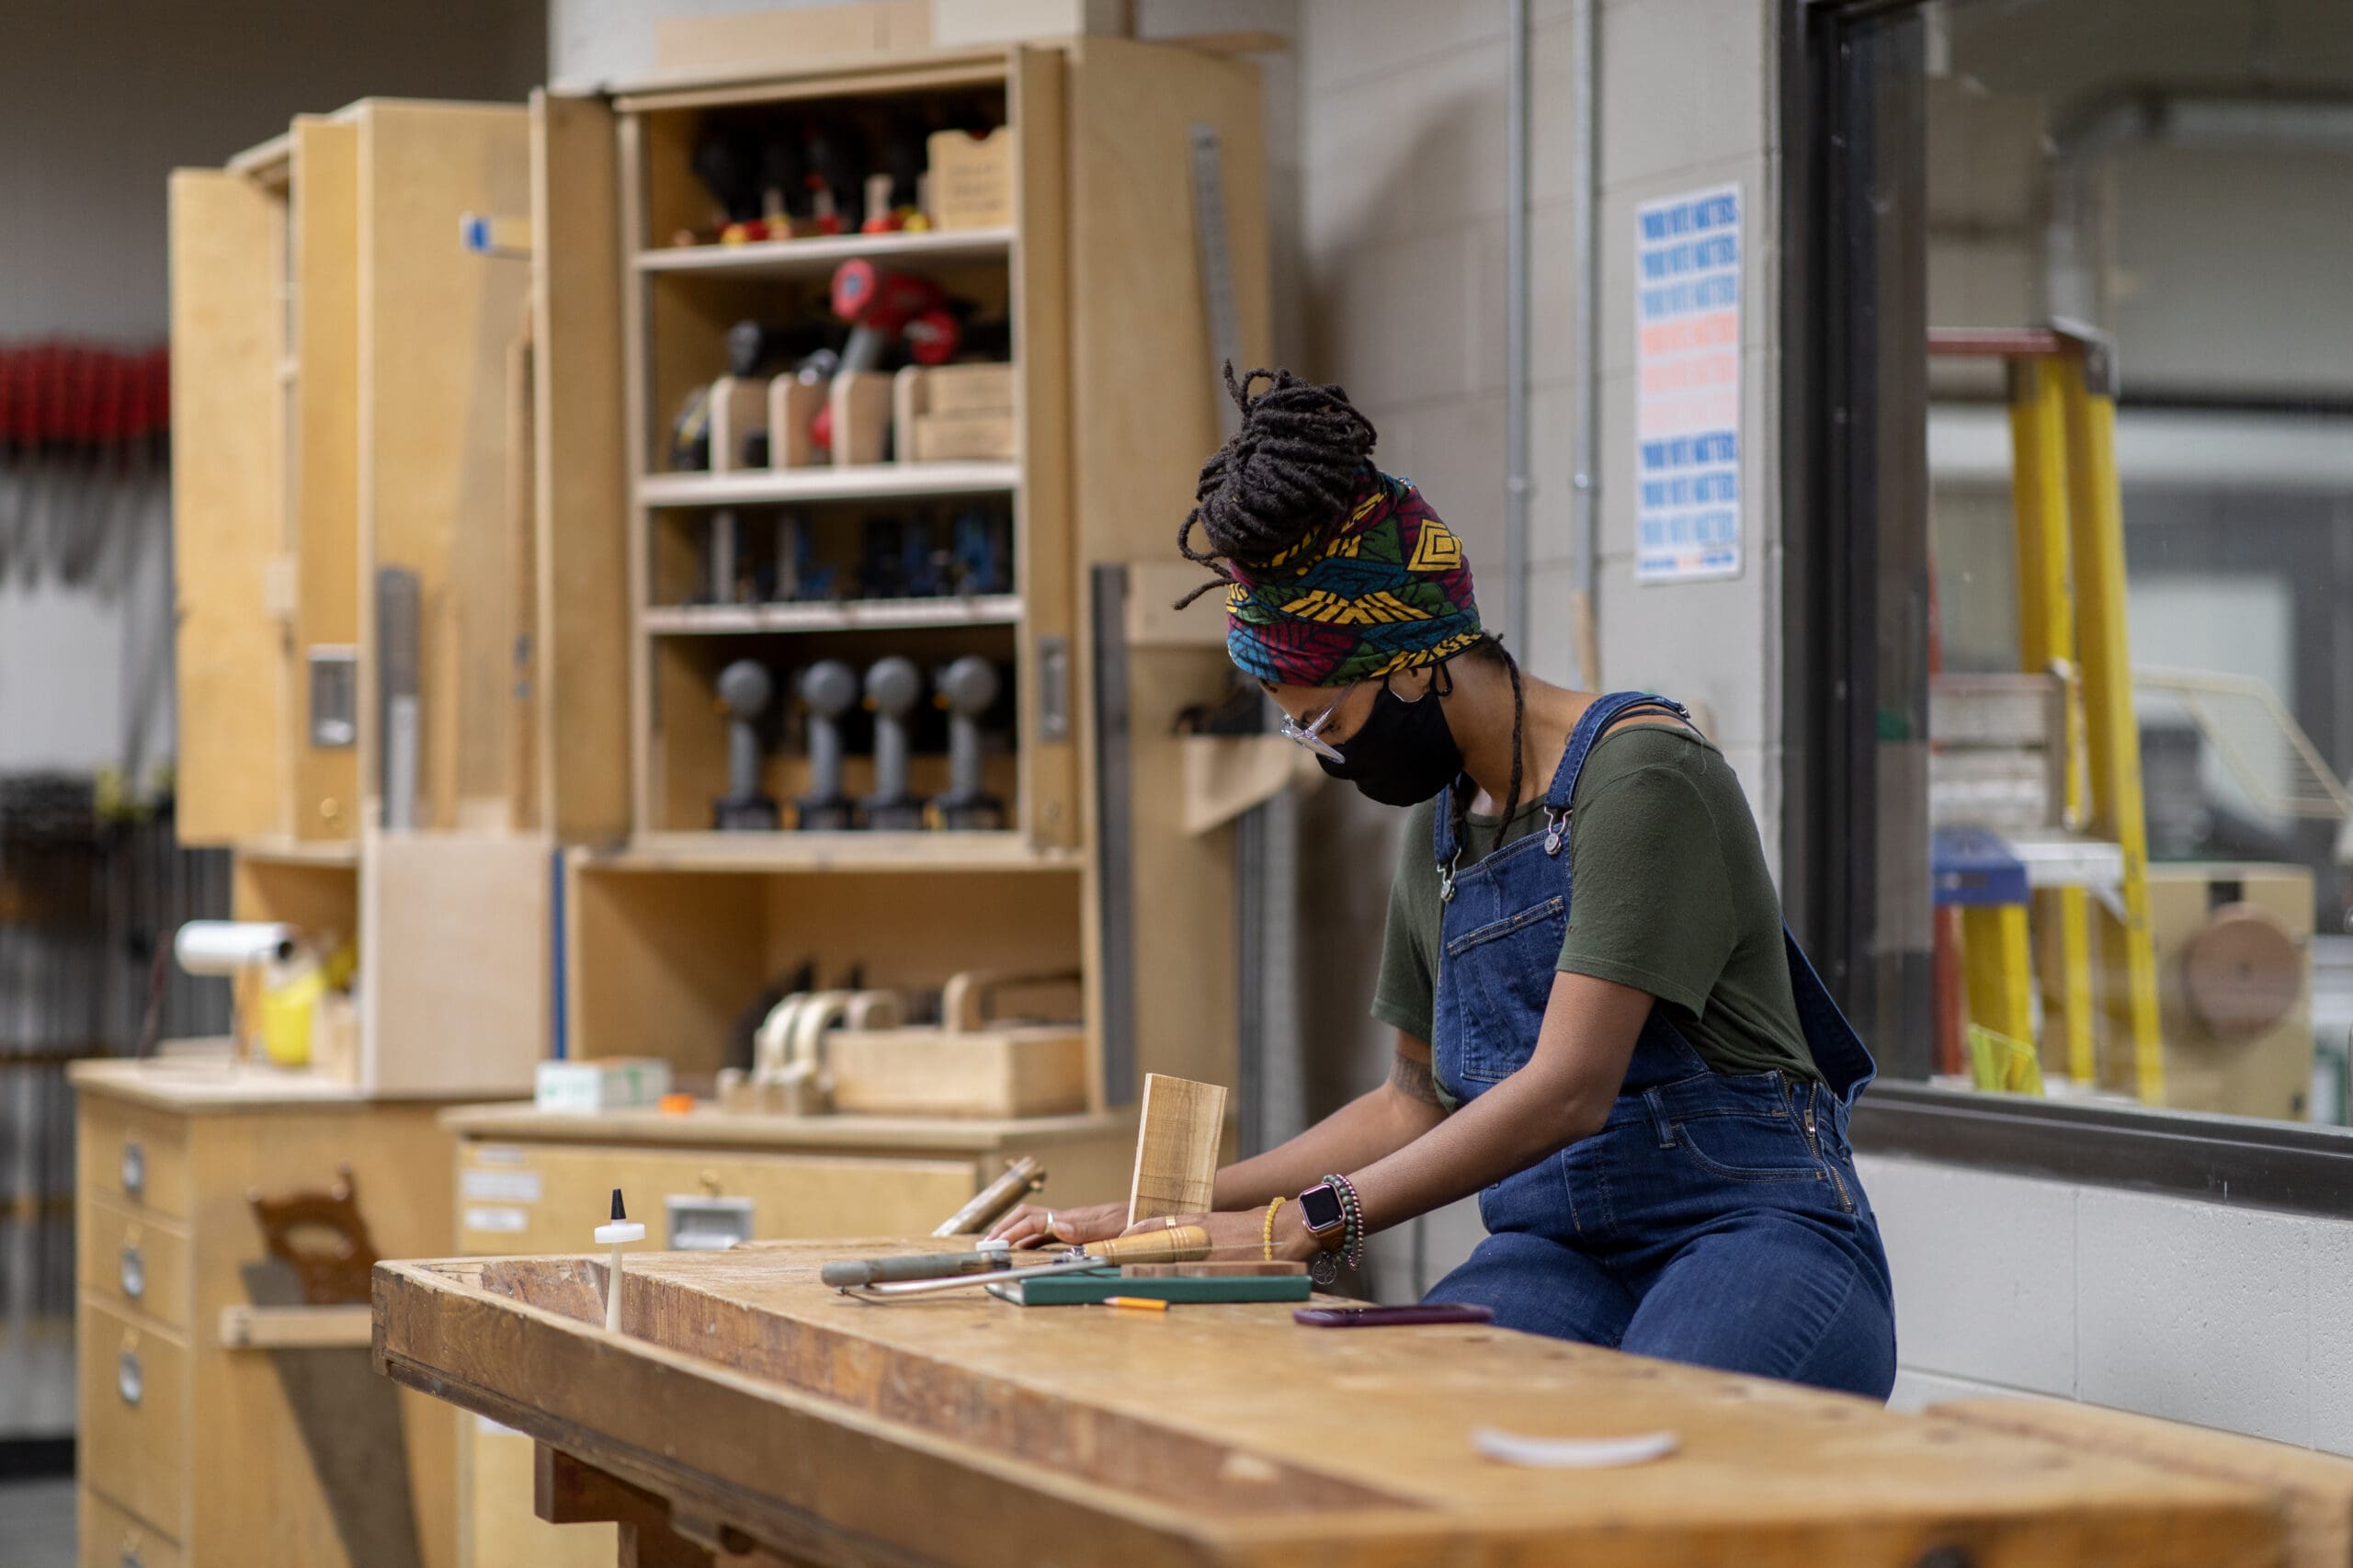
pixel 2071 623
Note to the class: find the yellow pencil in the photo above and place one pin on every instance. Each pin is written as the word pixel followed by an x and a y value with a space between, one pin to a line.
pixel 1141 1304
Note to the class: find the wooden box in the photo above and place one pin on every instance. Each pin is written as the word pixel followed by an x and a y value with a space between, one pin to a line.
pixel 971 179
pixel 959 438
pixel 998 1072
pixel 961 389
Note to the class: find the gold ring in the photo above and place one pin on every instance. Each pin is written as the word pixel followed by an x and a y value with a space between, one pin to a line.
pixel 1168 1221
pixel 1050 1221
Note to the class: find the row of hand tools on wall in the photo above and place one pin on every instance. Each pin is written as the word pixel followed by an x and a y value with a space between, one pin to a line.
pixel 84 456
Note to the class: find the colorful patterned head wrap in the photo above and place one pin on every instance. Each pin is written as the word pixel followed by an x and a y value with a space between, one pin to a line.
pixel 1385 589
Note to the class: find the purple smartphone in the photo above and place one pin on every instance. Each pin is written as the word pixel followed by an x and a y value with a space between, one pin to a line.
pixel 1385 1317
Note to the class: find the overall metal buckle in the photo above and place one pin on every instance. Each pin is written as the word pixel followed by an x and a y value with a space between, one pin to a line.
pixel 1446 876
pixel 1559 824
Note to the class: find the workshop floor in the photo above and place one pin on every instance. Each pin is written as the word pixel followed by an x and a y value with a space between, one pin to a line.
pixel 37 1521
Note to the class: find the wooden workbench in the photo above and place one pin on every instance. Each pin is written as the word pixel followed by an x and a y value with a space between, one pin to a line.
pixel 746 1408
pixel 535 1181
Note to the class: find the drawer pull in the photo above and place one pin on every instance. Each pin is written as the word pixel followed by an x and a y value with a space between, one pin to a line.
pixel 134 1168
pixel 134 1272
pixel 128 1380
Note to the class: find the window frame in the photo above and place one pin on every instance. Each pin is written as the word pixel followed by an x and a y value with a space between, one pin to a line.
pixel 1841 382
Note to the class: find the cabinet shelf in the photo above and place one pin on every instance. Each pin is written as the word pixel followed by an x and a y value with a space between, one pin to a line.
pixel 833 852
pixel 849 482
pixel 817 257
pixel 854 615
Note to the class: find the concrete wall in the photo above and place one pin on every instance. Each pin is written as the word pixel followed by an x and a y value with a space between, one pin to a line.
pixel 84 676
pixel 2176 1307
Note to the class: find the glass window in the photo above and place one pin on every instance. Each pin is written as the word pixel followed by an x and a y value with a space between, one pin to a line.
pixel 2111 715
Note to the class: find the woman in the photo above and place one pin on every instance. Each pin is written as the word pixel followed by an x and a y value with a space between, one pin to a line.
pixel 1648 1088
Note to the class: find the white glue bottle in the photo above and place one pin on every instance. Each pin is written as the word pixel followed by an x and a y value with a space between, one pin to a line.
pixel 618 1234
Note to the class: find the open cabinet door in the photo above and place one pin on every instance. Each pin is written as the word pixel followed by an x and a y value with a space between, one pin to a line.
pixel 228 260
pixel 581 478
pixel 324 235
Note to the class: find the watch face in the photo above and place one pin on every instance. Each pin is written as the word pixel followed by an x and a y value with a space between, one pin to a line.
pixel 1321 1206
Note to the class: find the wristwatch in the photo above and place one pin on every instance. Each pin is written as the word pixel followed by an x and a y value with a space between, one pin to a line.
pixel 1324 1212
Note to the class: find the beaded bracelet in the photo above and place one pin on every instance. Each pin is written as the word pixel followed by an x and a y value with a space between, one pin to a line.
pixel 1266 1231
pixel 1354 1207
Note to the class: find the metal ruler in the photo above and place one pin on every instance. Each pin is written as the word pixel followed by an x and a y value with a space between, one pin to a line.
pixel 1217 271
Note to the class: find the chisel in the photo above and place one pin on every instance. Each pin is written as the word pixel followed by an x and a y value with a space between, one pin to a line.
pixel 1177 1244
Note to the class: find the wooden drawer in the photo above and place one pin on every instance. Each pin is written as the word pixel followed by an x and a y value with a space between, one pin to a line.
pixel 114 1538
pixel 134 1437
pixel 534 1197
pixel 132 1262
pixel 134 1154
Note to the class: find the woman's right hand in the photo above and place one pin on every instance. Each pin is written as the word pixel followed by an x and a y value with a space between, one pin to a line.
pixel 1027 1226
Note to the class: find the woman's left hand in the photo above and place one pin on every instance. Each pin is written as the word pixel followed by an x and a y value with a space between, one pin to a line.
pixel 1238 1236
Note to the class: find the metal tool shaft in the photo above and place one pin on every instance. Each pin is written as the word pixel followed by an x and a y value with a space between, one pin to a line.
pixel 1025 1176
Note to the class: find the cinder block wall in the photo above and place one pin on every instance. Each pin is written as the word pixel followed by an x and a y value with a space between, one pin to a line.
pixel 1402 143
pixel 2176 1307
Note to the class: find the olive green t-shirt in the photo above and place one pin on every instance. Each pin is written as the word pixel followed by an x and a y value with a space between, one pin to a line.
pixel 1671 896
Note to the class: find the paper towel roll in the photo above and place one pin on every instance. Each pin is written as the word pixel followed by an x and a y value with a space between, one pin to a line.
pixel 224 947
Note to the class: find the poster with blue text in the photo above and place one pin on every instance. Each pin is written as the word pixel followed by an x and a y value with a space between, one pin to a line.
pixel 1687 386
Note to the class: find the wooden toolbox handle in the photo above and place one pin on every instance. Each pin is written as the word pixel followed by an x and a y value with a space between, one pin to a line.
pixel 963 1001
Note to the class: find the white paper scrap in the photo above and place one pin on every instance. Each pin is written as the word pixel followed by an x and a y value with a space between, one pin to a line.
pixel 1572 1453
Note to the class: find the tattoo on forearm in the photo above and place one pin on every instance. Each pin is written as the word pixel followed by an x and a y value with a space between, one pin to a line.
pixel 1411 1077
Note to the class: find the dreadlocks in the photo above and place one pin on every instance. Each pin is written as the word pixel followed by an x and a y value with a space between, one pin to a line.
pixel 1290 469
pixel 1295 472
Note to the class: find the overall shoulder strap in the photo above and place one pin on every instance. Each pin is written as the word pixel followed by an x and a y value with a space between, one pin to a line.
pixel 1605 711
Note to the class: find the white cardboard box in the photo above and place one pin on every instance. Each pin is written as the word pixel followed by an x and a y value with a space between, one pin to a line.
pixel 612 1083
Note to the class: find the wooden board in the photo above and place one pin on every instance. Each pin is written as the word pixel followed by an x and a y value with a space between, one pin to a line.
pixel 791 1194
pixel 342 1327
pixel 455 946
pixel 752 1397
pixel 325 449
pixel 1045 536
pixel 2317 1489
pixel 1182 1123
pixel 581 479
pixel 932 1072
pixel 434 324
pixel 228 501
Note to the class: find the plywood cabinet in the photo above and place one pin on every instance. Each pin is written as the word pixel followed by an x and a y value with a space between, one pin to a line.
pixel 354 388
pixel 1092 299
pixel 193 1451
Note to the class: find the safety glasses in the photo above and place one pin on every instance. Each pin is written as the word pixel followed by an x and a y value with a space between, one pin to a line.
pixel 1309 734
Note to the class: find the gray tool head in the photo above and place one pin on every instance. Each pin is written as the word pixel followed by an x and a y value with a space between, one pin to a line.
pixel 829 687
pixel 892 684
pixel 967 686
pixel 744 687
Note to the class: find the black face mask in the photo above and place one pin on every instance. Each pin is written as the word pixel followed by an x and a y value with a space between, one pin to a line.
pixel 1402 753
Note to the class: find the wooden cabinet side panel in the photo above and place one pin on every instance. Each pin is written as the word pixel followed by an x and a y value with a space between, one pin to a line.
pixel 1144 404
pixel 1145 415
pixel 581 471
pixel 435 326
pixel 456 946
pixel 1045 563
pixel 294 1463
pixel 228 501
pixel 325 239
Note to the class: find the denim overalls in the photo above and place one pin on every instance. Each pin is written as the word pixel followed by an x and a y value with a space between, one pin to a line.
pixel 1715 1219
